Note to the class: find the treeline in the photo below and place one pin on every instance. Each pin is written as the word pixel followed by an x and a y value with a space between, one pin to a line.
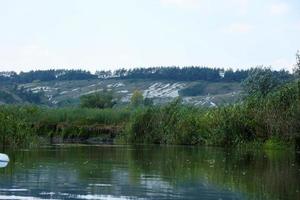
pixel 186 74
pixel 160 73
pixel 45 75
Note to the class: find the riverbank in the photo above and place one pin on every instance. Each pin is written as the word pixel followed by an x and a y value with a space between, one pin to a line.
pixel 271 120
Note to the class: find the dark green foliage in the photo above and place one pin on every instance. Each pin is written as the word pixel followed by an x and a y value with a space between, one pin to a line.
pixel 171 124
pixel 29 96
pixel 148 102
pixel 205 88
pixel 75 75
pixel 297 69
pixel 103 74
pixel 260 81
pixel 235 76
pixel 22 125
pixel 7 97
pixel 99 100
pixel 195 90
pixel 256 119
pixel 45 75
pixel 171 73
pixel 15 129
pixel 14 95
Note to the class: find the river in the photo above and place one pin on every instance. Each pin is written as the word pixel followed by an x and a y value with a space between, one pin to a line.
pixel 149 172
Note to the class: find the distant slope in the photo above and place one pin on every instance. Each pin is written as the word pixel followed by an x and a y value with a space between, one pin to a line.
pixel 61 93
pixel 12 94
pixel 195 85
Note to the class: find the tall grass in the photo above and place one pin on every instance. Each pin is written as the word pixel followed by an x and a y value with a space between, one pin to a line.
pixel 21 125
pixel 255 119
pixel 15 128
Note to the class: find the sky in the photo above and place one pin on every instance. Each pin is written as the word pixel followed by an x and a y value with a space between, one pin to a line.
pixel 111 34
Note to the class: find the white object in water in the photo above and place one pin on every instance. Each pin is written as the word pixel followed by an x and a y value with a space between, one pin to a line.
pixel 4 158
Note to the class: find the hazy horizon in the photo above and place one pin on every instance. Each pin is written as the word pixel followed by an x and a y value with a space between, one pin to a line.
pixel 107 35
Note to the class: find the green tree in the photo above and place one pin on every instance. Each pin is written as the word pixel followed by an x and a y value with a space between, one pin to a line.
pixel 260 81
pixel 137 98
pixel 99 100
pixel 297 69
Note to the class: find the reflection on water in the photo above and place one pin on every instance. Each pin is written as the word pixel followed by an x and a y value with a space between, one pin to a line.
pixel 149 172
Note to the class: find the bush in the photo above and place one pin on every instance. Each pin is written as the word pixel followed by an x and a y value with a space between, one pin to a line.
pixel 98 100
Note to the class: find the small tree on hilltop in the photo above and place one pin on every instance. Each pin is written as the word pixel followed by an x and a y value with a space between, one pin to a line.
pixel 297 68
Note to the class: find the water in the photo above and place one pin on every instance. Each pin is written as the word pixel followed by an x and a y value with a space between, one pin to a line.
pixel 149 172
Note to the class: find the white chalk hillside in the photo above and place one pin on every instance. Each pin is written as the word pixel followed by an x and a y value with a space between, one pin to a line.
pixel 159 91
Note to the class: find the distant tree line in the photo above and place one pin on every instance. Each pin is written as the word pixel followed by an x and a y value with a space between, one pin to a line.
pixel 187 74
pixel 160 73
pixel 45 75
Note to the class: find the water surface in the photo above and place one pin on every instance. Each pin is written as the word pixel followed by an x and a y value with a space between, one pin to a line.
pixel 149 172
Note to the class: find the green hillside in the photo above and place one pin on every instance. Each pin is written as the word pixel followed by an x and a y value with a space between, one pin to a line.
pixel 199 86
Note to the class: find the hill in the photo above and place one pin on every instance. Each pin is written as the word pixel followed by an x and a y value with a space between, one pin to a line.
pixel 195 85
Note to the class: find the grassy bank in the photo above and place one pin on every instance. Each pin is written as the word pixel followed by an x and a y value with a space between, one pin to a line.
pixel 23 125
pixel 272 120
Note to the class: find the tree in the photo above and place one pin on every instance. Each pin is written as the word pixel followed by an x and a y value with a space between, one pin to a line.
pixel 137 98
pixel 297 72
pixel 297 69
pixel 260 81
pixel 98 100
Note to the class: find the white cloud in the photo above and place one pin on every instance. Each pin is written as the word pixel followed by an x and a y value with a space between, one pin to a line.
pixel 242 6
pixel 237 6
pixel 239 28
pixel 181 3
pixel 279 8
pixel 297 26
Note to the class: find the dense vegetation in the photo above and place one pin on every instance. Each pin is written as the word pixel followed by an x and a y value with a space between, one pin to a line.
pixel 274 117
pixel 45 75
pixel 269 113
pixel 99 100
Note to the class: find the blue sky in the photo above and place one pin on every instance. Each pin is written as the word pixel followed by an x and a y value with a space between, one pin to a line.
pixel 109 34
